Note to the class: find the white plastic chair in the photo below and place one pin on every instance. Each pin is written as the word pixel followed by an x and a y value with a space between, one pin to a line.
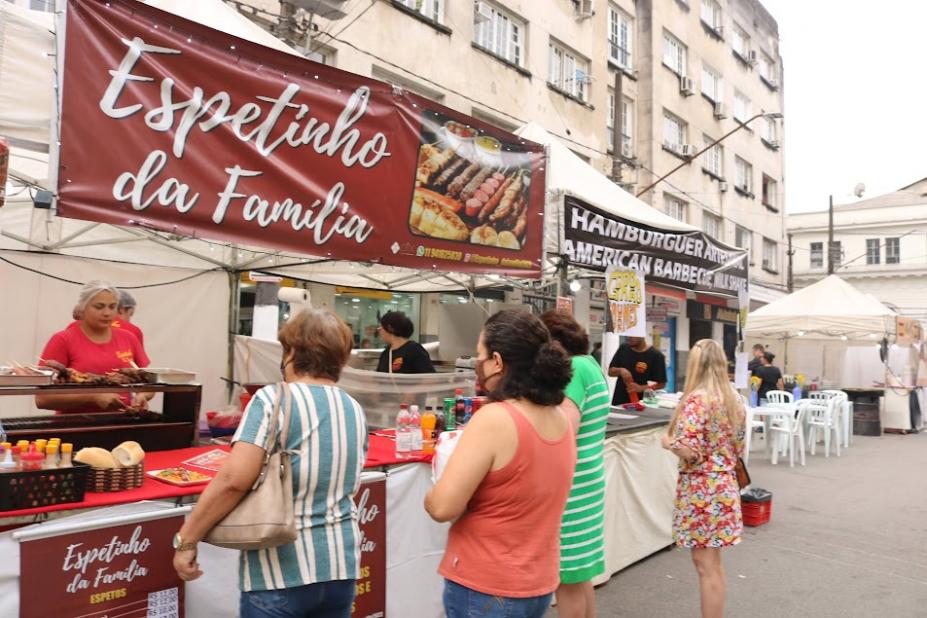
pixel 779 397
pixel 825 419
pixel 790 428
pixel 752 424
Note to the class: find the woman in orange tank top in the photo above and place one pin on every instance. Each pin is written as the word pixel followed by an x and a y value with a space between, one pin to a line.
pixel 507 482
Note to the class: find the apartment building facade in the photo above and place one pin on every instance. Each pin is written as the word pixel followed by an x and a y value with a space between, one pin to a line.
pixel 880 247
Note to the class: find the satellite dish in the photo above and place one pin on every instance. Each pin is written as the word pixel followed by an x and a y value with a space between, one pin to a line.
pixel 859 189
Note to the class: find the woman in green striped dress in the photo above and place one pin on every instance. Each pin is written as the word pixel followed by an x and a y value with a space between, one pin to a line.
pixel 582 540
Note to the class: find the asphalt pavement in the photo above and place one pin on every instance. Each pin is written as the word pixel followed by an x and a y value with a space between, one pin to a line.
pixel 847 538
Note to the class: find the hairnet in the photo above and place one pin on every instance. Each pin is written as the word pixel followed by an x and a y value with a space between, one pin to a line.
pixel 91 289
pixel 126 300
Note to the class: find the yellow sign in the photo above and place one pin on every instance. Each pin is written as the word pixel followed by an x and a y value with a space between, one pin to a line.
pixel 363 293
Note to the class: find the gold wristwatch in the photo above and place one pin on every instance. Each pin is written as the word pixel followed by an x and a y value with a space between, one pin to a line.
pixel 179 545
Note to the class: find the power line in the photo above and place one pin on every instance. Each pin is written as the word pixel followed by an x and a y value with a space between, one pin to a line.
pixel 331 37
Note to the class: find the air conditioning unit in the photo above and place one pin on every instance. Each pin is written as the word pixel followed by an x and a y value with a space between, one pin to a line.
pixel 688 150
pixel 720 110
pixel 670 146
pixel 774 144
pixel 686 86
pixel 626 151
pixel 752 56
pixel 773 83
pixel 585 8
pixel 482 13
pixel 723 187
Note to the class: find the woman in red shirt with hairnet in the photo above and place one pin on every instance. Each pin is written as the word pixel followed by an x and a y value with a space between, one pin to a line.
pixel 94 346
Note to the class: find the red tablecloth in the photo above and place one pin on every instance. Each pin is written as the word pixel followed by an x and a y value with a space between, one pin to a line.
pixel 381 452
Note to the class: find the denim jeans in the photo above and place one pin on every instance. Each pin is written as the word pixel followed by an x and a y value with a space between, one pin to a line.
pixel 322 600
pixel 462 602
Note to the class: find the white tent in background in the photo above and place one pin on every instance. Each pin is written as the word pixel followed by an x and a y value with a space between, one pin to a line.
pixel 828 309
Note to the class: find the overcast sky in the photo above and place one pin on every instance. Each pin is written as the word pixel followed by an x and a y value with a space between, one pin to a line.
pixel 855 97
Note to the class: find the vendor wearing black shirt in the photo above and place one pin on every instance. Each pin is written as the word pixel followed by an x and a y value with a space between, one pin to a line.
pixel 756 362
pixel 635 364
pixel 401 355
pixel 770 376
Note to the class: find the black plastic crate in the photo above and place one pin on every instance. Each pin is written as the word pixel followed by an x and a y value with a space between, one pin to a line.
pixel 37 488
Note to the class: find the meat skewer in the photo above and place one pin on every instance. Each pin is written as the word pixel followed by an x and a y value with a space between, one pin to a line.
pixel 508 201
pixel 493 202
pixel 433 161
pixel 449 172
pixel 457 185
pixel 475 183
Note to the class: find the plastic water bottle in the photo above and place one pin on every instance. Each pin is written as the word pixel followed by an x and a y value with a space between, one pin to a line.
pixel 403 433
pixel 415 429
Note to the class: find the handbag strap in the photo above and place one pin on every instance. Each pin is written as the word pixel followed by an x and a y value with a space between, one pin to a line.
pixel 282 400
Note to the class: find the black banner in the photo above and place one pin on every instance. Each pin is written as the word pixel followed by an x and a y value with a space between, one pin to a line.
pixel 689 260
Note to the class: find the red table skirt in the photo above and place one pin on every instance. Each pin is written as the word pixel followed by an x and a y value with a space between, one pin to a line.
pixel 381 452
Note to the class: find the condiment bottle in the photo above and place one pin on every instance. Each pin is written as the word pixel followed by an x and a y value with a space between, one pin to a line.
pixel 51 456
pixel 428 433
pixel 15 450
pixel 31 460
pixel 7 464
pixel 66 450
pixel 40 445
pixel 23 445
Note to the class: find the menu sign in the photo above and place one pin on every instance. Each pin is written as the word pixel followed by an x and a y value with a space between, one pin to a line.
pixel 627 309
pixel 370 594
pixel 210 136
pixel 693 260
pixel 124 571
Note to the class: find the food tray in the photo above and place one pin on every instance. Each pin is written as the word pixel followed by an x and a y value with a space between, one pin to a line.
pixel 8 378
pixel 37 488
pixel 115 479
pixel 172 376
pixel 199 480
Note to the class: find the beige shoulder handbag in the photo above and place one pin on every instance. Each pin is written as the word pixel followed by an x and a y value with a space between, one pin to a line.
pixel 264 517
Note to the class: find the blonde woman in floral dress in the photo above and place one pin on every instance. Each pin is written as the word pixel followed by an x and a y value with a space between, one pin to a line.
pixel 706 433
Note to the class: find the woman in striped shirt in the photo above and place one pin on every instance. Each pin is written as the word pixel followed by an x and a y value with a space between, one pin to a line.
pixel 314 575
pixel 582 540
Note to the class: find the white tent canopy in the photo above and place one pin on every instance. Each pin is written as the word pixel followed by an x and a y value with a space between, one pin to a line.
pixel 828 309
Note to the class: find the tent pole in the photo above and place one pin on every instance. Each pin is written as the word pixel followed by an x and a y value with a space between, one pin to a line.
pixel 234 289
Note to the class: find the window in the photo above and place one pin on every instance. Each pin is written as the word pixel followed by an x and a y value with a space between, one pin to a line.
pixel 322 56
pixel 627 125
pixel 711 14
pixel 770 192
pixel 836 252
pixel 741 106
pixel 499 32
pixel 432 9
pixel 873 251
pixel 768 72
pixel 743 180
pixel 569 73
pixel 743 238
pixel 674 54
pixel 712 86
pixel 770 130
pixel 620 32
pixel 817 255
pixel 47 6
pixel 674 132
pixel 892 250
pixel 740 42
pixel 712 225
pixel 675 208
pixel 714 158
pixel 770 255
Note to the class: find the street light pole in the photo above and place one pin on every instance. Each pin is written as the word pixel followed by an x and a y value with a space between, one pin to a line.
pixel 830 237
pixel 706 149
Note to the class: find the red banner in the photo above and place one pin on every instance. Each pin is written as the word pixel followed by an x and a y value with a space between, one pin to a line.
pixel 122 571
pixel 173 126
pixel 370 596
